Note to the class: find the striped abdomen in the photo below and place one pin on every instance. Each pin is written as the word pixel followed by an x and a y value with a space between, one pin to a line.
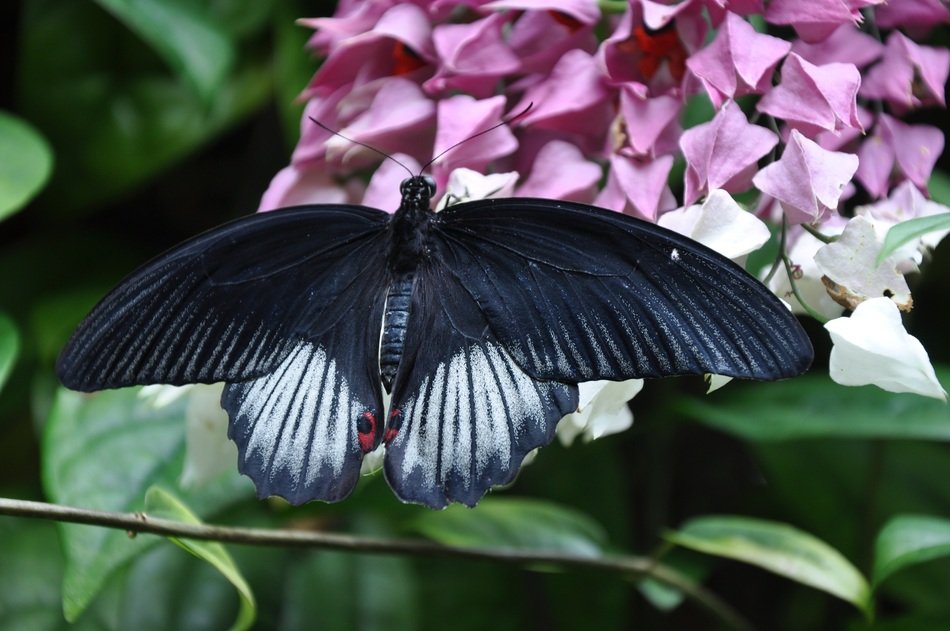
pixel 395 320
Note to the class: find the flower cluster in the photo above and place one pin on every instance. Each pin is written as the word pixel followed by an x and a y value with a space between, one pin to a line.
pixel 801 127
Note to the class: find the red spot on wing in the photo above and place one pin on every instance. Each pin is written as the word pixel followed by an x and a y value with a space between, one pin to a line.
pixel 395 422
pixel 366 431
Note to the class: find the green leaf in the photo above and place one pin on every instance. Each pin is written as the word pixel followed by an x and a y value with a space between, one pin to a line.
pixel 115 125
pixel 32 568
pixel 778 548
pixel 939 187
pixel 103 451
pixel 189 41
pixel 161 503
pixel 516 524
pixel 25 163
pixel 908 540
pixel 815 407
pixel 9 347
pixel 907 231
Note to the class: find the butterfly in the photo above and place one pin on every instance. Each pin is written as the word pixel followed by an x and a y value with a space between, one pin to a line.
pixel 480 320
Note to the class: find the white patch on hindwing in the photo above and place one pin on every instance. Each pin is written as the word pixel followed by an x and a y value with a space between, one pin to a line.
pixel 468 413
pixel 301 417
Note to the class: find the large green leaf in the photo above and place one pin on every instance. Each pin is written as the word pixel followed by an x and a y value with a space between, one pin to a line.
pixel 189 40
pixel 907 540
pixel 815 407
pixel 161 503
pixel 29 573
pixel 9 347
pixel 25 163
pixel 103 451
pixel 778 548
pixel 515 524
pixel 112 124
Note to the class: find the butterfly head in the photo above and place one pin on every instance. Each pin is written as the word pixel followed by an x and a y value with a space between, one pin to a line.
pixel 417 190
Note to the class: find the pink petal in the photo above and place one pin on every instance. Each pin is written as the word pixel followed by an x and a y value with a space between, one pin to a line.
pixel 812 96
pixel 813 20
pixel 396 120
pixel 912 13
pixel 644 184
pixel 846 45
pixel 916 147
pixel 472 56
pixel 573 99
pixel 910 75
pixel 738 61
pixel 547 174
pixel 459 118
pixel 807 180
pixel 876 163
pixel 539 40
pixel 647 119
pixel 295 186
pixel 720 153
pixel 584 11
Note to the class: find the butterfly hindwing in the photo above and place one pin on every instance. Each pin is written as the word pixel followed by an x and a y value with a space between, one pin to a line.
pixel 464 414
pixel 302 429
pixel 223 306
pixel 578 293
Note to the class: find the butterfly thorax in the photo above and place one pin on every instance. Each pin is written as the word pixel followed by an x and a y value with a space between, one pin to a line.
pixel 407 249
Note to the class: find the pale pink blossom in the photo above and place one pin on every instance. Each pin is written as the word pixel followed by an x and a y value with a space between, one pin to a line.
pixel 909 75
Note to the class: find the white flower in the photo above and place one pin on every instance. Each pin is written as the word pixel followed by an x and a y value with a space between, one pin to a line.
pixel 872 347
pixel 208 451
pixel 602 409
pixel 466 185
pixel 849 263
pixel 720 223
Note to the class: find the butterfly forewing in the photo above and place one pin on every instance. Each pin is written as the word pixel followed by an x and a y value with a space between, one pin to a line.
pixel 577 293
pixel 224 306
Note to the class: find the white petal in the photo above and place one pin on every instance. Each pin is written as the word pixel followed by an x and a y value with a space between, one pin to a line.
pixel 850 263
pixel 160 395
pixel 466 185
pixel 872 347
pixel 809 285
pixel 721 224
pixel 208 451
pixel 602 410
pixel 714 382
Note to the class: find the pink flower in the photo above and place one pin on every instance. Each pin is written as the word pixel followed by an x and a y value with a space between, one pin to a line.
pixel 398 118
pixel 547 175
pixel 651 125
pixel 460 117
pixel 914 148
pixel 472 56
pixel 723 153
pixel 572 100
pixel 638 187
pixel 910 75
pixel 383 189
pixel 398 44
pixel 583 11
pixel 846 45
pixel 815 97
pixel 295 186
pixel 651 54
pixel 815 20
pixel 540 38
pixel 739 61
pixel 807 180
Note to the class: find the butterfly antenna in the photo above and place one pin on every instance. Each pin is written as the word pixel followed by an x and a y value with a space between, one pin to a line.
pixel 363 144
pixel 503 121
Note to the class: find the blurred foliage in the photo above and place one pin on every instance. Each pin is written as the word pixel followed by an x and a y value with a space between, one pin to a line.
pixel 127 126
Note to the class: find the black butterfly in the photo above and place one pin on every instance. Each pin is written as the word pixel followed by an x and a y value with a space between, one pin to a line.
pixel 480 320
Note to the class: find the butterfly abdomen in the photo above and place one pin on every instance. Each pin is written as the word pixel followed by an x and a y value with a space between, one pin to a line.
pixel 395 321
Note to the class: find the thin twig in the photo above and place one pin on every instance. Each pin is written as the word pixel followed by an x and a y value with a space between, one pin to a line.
pixel 636 567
